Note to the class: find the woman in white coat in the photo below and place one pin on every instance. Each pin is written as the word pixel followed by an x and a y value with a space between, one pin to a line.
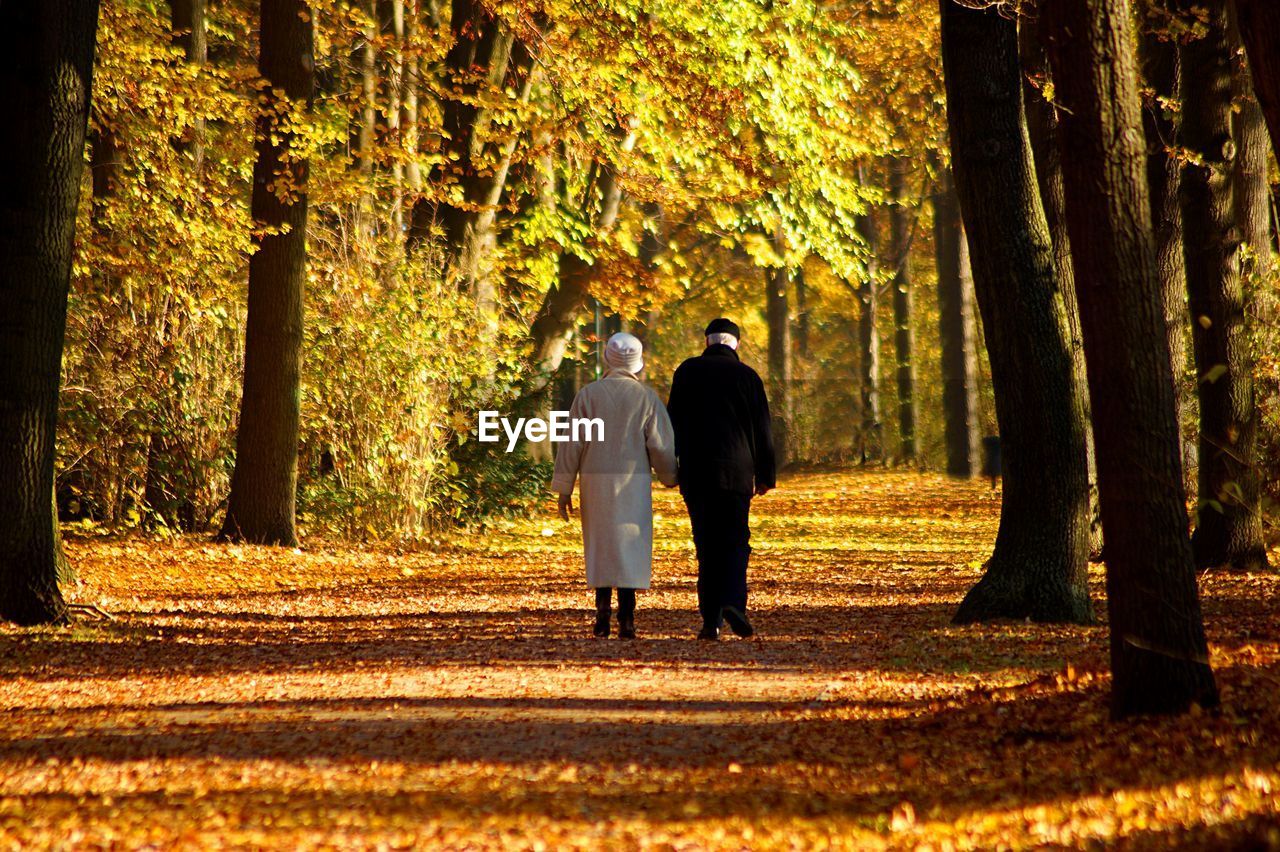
pixel 616 490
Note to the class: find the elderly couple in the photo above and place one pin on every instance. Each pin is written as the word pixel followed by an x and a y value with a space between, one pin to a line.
pixel 712 438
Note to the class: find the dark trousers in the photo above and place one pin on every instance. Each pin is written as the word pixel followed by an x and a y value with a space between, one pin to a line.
pixel 626 601
pixel 721 538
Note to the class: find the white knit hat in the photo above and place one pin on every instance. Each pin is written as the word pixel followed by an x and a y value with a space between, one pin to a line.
pixel 624 352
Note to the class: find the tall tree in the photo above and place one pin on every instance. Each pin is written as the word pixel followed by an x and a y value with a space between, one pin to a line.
pixel 777 313
pixel 1229 522
pixel 801 330
pixel 901 225
pixel 1259 22
pixel 485 58
pixel 1250 177
pixel 187 18
pixel 1042 128
pixel 168 481
pixel 955 331
pixel 412 81
pixel 1038 567
pixel 261 508
pixel 1159 658
pixel 46 70
pixel 392 14
pixel 367 128
pixel 870 439
pixel 479 53
pixel 554 322
pixel 1161 124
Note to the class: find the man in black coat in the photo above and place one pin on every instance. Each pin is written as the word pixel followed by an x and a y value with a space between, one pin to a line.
pixel 725 452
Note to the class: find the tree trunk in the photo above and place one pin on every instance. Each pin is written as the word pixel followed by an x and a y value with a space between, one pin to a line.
pixel 368 121
pixel 1229 523
pixel 1253 219
pixel 391 17
pixel 264 482
pixel 46 70
pixel 166 485
pixel 1259 22
pixel 802 314
pixel 187 19
pixel 1038 567
pixel 1159 658
pixel 956 332
pixel 901 224
pixel 1162 71
pixel 412 81
pixel 1250 178
pixel 475 64
pixel 557 316
pixel 870 439
pixel 1042 128
pixel 777 280
pixel 481 234
pixel 393 25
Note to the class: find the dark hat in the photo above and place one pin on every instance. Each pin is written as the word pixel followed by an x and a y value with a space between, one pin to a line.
pixel 722 326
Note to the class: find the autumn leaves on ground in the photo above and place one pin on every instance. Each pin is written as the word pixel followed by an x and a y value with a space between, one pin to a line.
pixel 366 696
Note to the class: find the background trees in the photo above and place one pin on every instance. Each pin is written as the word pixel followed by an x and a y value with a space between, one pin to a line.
pixel 472 194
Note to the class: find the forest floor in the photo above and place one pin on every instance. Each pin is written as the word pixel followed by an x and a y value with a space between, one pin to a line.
pixel 360 696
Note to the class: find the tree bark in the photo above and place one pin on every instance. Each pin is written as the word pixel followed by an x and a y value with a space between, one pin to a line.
pixel 368 104
pixel 46 70
pixel 1042 128
pixel 1253 218
pixel 476 62
pixel 187 19
pixel 870 437
pixel 1159 658
pixel 166 485
pixel 261 507
pixel 1259 22
pixel 557 316
pixel 1229 522
pixel 901 224
pixel 1161 126
pixel 412 80
pixel 1250 177
pixel 955 332
pixel 1038 567
pixel 801 330
pixel 393 25
pixel 777 313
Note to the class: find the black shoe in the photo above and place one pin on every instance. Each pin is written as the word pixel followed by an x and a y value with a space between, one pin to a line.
pixel 738 622
pixel 709 632
pixel 626 628
pixel 601 630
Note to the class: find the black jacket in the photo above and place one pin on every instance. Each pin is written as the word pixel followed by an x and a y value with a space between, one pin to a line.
pixel 721 419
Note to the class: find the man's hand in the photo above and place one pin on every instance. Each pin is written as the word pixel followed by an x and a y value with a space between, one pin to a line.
pixel 762 490
pixel 565 506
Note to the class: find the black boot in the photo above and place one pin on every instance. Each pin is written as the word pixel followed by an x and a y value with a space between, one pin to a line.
pixel 603 608
pixel 738 622
pixel 626 613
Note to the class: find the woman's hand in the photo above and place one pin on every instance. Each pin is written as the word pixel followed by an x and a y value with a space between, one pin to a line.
pixel 565 506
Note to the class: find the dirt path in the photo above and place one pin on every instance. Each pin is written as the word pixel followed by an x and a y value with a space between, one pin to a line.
pixel 367 697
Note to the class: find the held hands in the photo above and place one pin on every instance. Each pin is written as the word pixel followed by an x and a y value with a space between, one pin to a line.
pixel 762 490
pixel 565 506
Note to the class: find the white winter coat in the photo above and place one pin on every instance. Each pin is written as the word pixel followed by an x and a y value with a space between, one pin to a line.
pixel 616 490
